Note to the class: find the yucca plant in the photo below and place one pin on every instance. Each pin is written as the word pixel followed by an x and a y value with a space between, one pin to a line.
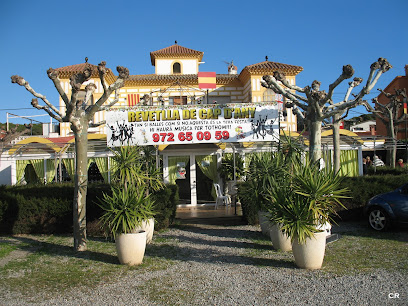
pixel 321 188
pixel 130 202
pixel 262 168
pixel 306 200
pixel 129 168
pixel 125 210
pixel 291 211
pixel 291 148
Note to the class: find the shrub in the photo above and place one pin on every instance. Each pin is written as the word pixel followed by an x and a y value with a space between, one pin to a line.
pixel 263 168
pixel 363 188
pixel 166 201
pixel 386 170
pixel 248 203
pixel 48 209
pixel 34 213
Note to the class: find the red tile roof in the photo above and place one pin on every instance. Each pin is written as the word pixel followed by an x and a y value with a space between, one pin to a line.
pixel 268 66
pixel 365 133
pixel 67 71
pixel 61 141
pixel 78 68
pixel 176 51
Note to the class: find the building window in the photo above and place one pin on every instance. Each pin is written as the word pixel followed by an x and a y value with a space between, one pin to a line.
pixel 176 68
pixel 268 95
pixel 178 100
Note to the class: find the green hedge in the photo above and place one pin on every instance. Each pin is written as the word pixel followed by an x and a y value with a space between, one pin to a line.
pixel 386 170
pixel 362 188
pixel 48 209
pixel 166 205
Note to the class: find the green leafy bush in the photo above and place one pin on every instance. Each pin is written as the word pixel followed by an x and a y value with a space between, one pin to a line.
pixel 166 201
pixel 24 212
pixel 248 202
pixel 47 209
pixel 263 167
pixel 386 170
pixel 363 188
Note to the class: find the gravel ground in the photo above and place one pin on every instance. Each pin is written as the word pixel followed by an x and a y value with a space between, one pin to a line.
pixel 217 265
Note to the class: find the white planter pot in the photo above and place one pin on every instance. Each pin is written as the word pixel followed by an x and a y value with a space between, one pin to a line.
pixel 148 227
pixel 264 222
pixel 310 255
pixel 280 241
pixel 131 248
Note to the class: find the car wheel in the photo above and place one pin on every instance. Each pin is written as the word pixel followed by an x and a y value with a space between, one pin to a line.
pixel 378 219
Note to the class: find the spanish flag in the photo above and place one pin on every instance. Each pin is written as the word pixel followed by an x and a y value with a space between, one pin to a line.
pixel 207 80
pixel 405 108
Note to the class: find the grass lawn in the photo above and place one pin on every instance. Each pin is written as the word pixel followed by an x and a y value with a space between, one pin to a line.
pixel 48 264
pixel 364 250
pixel 359 250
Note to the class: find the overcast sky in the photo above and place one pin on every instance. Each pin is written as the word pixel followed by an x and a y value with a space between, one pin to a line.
pixel 320 36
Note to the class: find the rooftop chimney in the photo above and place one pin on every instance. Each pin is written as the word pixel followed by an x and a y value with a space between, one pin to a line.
pixel 406 70
pixel 232 69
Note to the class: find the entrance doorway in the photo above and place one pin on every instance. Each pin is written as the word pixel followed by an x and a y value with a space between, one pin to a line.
pixel 196 182
pixel 204 187
pixel 184 186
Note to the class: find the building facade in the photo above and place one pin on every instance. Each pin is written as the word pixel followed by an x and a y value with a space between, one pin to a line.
pixel 177 81
pixel 400 82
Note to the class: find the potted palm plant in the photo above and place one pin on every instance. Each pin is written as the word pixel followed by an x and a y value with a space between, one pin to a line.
pixel 261 166
pixel 302 206
pixel 129 211
pixel 132 166
pixel 124 212
pixel 288 154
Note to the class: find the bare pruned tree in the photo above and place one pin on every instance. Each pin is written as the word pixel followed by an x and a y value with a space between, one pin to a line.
pixel 315 105
pixel 389 115
pixel 79 113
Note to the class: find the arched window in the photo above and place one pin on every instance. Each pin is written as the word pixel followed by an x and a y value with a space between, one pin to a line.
pixel 269 95
pixel 176 68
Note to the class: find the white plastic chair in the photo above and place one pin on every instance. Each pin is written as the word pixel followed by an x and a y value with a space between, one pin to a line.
pixel 221 199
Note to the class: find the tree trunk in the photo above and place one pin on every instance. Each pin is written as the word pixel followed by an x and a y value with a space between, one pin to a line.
pixel 81 185
pixel 391 152
pixel 315 147
pixel 336 143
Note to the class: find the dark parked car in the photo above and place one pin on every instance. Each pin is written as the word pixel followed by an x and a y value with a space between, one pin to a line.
pixel 388 208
